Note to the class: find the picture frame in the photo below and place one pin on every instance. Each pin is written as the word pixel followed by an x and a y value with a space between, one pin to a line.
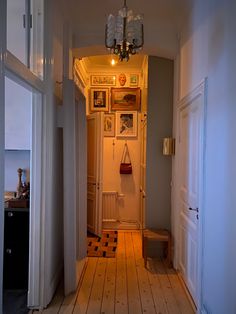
pixel 99 99
pixel 125 99
pixel 133 80
pixel 102 80
pixel 109 125
pixel 126 124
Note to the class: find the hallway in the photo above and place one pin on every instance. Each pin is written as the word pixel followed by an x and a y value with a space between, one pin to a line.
pixel 123 285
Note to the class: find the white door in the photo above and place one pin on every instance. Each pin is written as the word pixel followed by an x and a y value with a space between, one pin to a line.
pixel 190 152
pixel 74 179
pixel 94 172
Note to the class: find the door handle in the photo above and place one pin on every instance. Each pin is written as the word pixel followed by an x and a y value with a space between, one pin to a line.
pixel 194 209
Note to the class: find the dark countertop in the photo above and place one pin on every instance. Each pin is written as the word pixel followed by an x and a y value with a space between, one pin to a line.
pixel 11 209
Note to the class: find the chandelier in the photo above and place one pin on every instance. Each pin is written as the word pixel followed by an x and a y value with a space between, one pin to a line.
pixel 124 33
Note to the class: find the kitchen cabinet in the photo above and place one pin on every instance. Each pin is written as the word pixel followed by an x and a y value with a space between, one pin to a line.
pixel 16 248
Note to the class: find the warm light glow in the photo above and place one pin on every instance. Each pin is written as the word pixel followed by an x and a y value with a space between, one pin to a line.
pixel 113 62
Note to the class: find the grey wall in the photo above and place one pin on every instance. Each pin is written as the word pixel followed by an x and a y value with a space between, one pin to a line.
pixel 159 125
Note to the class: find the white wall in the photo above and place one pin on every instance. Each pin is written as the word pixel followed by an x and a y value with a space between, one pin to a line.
pixel 18 107
pixel 208 49
pixel 53 190
pixel 128 206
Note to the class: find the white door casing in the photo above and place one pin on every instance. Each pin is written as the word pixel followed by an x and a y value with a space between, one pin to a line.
pixel 74 188
pixel 190 149
pixel 94 172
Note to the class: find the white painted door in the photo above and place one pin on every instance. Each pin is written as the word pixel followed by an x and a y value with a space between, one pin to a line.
pixel 74 179
pixel 94 172
pixel 190 161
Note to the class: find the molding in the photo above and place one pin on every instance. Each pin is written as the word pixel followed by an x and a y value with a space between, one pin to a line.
pixel 35 203
pixel 18 69
pixel 199 90
pixel 80 75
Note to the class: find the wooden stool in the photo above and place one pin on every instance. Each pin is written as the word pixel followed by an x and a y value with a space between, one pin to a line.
pixel 156 235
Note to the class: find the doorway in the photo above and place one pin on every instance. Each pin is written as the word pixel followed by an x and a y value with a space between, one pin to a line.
pixel 190 154
pixel 23 114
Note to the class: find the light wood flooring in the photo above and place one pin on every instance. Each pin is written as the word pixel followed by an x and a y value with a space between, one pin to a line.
pixel 122 285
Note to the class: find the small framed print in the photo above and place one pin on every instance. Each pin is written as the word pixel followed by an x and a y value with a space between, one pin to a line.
pixel 103 80
pixel 133 80
pixel 126 123
pixel 109 124
pixel 99 100
pixel 125 98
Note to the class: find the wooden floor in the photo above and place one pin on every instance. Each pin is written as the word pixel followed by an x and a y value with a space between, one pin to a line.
pixel 122 285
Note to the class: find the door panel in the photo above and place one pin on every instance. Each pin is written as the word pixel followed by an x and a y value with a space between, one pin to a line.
pixel 94 172
pixel 190 151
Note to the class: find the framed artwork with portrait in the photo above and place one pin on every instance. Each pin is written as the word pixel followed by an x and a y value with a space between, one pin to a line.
pixel 99 99
pixel 126 123
pixel 125 99
pixel 109 124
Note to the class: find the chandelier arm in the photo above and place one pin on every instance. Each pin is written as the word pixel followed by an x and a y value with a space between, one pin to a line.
pixel 124 49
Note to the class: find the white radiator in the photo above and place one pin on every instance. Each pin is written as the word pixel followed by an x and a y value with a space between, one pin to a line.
pixel 109 206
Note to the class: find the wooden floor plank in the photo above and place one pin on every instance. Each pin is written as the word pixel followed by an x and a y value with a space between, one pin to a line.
pixel 146 296
pixel 86 287
pixel 95 301
pixel 180 295
pixel 134 301
pixel 121 297
pixel 108 301
pixel 122 285
pixel 171 302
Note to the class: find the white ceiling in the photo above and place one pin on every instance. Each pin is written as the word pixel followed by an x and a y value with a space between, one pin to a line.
pixel 162 22
pixel 103 62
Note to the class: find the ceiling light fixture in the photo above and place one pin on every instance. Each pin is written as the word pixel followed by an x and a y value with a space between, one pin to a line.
pixel 124 33
pixel 113 61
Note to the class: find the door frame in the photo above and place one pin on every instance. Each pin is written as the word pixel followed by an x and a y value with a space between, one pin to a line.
pixel 2 132
pixel 199 91
pixel 74 184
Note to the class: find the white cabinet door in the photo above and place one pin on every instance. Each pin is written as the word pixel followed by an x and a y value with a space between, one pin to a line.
pixel 190 152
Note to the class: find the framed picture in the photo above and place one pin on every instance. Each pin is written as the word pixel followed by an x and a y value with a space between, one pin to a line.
pixel 109 124
pixel 126 124
pixel 133 80
pixel 103 80
pixel 99 100
pixel 125 99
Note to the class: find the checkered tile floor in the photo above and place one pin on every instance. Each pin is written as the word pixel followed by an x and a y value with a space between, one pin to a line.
pixel 104 246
